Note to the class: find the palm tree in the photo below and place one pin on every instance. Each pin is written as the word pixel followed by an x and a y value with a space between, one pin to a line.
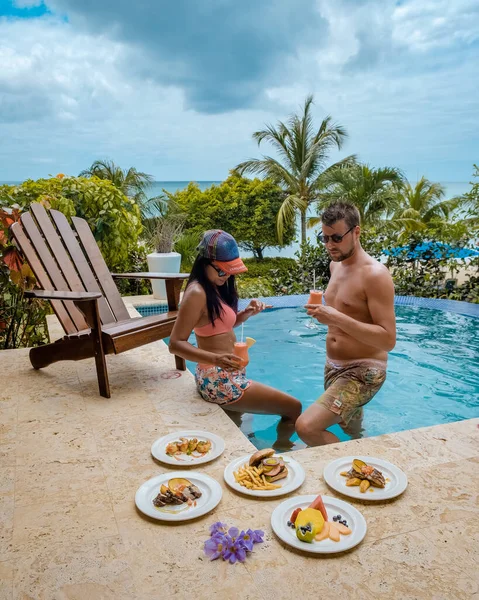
pixel 303 154
pixel 131 182
pixel 421 204
pixel 372 191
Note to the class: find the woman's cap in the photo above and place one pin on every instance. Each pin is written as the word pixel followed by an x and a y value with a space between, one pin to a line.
pixel 221 247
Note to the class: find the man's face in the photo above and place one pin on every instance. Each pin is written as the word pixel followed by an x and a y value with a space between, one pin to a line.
pixel 339 251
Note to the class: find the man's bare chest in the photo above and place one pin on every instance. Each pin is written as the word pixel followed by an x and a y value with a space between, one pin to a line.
pixel 347 294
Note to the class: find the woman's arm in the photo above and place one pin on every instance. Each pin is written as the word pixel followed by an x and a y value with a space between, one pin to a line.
pixel 191 309
pixel 253 308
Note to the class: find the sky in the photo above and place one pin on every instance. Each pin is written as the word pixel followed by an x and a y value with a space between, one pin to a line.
pixel 176 89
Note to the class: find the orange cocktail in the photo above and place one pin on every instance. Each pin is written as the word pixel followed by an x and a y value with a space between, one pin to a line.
pixel 315 297
pixel 240 349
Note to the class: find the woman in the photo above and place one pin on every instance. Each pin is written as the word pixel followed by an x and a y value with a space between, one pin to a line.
pixel 210 308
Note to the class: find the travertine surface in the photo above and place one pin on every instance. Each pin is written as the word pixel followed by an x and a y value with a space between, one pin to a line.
pixel 71 462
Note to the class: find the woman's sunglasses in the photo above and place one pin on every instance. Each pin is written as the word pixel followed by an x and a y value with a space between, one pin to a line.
pixel 336 238
pixel 219 271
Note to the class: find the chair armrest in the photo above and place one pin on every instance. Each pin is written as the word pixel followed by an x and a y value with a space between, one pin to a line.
pixel 54 295
pixel 177 276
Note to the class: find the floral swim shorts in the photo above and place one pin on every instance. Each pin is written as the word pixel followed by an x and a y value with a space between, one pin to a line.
pixel 216 385
pixel 349 385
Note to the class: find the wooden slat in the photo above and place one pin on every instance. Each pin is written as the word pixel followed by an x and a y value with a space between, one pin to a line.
pixel 51 267
pixel 138 323
pixel 41 275
pixel 145 335
pixel 100 269
pixel 75 296
pixel 81 263
pixel 146 275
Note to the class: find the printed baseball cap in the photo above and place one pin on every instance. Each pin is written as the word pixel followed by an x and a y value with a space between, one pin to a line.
pixel 221 248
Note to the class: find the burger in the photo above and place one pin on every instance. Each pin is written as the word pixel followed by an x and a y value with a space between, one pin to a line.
pixel 273 468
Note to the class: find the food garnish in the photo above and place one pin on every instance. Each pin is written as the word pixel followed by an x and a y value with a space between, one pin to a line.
pixel 263 469
pixel 363 475
pixel 188 447
pixel 179 491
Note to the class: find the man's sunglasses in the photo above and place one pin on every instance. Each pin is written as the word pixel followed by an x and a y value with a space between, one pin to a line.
pixel 336 238
pixel 219 271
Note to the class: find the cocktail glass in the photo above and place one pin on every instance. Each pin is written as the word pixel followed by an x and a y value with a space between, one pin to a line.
pixel 315 297
pixel 240 349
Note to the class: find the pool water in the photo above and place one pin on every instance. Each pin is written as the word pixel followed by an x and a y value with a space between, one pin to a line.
pixel 433 372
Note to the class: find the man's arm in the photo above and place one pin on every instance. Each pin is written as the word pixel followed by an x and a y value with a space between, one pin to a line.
pixel 381 333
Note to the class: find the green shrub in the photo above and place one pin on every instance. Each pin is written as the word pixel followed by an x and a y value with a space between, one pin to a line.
pixel 264 267
pixel 254 288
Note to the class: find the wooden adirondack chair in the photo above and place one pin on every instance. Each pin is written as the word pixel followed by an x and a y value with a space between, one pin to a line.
pixel 70 268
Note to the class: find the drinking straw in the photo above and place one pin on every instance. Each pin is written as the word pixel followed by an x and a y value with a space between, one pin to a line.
pixel 242 328
pixel 314 280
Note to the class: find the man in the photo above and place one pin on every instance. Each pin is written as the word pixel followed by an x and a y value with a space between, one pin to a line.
pixel 359 313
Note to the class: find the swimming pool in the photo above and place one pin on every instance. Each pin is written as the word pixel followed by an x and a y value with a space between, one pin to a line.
pixel 433 372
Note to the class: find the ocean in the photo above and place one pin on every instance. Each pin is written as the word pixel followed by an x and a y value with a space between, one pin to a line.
pixel 453 188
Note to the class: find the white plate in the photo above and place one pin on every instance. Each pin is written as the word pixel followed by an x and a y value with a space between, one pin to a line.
pixel 334 506
pixel 159 446
pixel 396 480
pixel 210 489
pixel 292 482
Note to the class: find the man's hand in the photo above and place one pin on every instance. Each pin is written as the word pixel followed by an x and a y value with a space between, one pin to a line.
pixel 327 315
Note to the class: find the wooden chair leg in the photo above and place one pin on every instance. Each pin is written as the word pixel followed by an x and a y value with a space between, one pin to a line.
pixel 180 363
pixel 100 360
pixel 63 349
pixel 92 314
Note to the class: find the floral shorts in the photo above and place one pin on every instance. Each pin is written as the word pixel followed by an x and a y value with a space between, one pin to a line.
pixel 349 385
pixel 216 385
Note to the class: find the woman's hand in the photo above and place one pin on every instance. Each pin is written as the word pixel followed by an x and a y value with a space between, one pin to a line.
pixel 228 362
pixel 255 307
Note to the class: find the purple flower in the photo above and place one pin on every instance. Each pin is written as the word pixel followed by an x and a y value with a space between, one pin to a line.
pixel 256 535
pixel 218 527
pixel 234 551
pixel 216 546
pixel 246 540
pixel 233 532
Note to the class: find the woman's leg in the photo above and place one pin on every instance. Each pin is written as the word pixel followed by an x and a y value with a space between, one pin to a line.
pixel 262 399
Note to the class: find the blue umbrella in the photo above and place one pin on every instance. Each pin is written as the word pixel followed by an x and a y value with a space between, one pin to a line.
pixel 427 250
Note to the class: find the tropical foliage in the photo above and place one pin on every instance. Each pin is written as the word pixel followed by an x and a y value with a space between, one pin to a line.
pixel 131 182
pixel 246 208
pixel 372 191
pixel 301 167
pixel 113 217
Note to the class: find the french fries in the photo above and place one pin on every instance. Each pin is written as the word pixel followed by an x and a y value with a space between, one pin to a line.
pixel 252 478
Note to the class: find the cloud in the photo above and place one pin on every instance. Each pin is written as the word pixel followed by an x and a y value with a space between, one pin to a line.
pixel 178 91
pixel 221 53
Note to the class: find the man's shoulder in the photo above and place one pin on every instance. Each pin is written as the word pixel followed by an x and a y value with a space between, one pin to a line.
pixel 374 270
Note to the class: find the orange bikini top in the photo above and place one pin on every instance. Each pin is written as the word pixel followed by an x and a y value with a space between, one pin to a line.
pixel 223 324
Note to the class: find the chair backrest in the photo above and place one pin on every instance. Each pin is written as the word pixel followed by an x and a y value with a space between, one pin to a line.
pixel 66 259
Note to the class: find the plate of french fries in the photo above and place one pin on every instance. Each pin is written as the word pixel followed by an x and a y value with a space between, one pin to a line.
pixel 264 474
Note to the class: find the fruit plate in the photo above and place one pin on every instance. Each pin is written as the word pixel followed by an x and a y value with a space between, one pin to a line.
pixel 158 448
pixel 210 489
pixel 334 506
pixel 396 480
pixel 290 483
